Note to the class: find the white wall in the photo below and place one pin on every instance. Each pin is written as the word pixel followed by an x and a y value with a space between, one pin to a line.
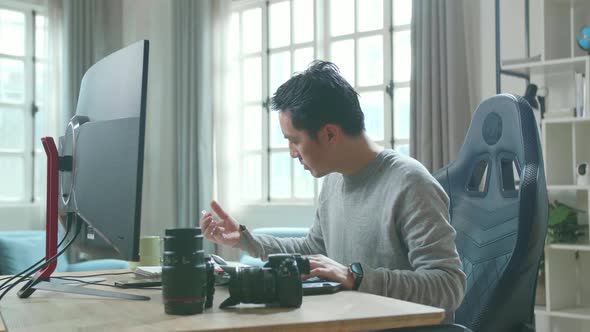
pixel 151 19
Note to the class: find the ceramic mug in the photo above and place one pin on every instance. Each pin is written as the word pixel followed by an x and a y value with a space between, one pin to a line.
pixel 150 251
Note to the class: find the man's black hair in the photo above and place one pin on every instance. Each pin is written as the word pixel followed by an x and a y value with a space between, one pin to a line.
pixel 318 96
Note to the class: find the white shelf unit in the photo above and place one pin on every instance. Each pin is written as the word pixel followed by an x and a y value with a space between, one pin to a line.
pixel 553 27
pixel 566 143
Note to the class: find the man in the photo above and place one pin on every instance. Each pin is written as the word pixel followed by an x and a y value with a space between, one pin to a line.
pixel 381 223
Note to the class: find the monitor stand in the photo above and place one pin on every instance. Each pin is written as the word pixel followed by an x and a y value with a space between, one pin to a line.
pixel 42 279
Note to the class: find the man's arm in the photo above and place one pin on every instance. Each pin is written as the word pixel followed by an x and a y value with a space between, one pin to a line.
pixel 421 216
pixel 261 245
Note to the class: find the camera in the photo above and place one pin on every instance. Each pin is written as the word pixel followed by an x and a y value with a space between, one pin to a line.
pixel 277 282
pixel 187 273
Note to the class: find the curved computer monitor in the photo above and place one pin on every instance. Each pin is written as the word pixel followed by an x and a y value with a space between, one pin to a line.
pixel 105 140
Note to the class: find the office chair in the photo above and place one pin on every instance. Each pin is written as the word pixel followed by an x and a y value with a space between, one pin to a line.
pixel 498 206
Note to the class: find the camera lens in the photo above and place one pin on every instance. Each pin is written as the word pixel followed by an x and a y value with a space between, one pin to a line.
pixel 278 282
pixel 184 277
pixel 250 285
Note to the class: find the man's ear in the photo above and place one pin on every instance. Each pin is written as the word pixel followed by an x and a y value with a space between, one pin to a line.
pixel 332 132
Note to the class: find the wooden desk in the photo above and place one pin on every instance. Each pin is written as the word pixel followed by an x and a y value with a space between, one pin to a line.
pixel 342 311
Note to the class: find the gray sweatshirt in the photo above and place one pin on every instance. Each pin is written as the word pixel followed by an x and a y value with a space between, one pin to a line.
pixel 392 217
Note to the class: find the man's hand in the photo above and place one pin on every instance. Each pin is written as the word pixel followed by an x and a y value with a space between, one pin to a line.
pixel 224 231
pixel 326 268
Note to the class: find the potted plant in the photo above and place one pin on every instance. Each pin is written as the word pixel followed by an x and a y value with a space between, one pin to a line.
pixel 562 227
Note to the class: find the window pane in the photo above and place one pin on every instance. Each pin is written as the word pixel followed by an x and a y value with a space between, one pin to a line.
pixel 12 81
pixel 40 175
pixel 251 178
pixel 402 12
pixel 12 178
pixel 40 128
pixel 234 36
pixel 403 149
pixel 252 79
pixel 40 37
pixel 280 24
pixel 12 32
pixel 402 56
pixel 401 113
pixel 302 182
pixel 370 15
pixel 370 60
pixel 252 128
pixel 372 106
pixel 341 17
pixel 252 30
pixel 40 83
pixel 280 175
pixel 302 57
pixel 342 54
pixel 303 21
pixel 12 129
pixel 280 70
pixel 277 140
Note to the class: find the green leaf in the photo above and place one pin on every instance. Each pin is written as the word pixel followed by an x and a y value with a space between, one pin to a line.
pixel 559 214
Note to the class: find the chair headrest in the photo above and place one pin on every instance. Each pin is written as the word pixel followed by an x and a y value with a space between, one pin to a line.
pixel 503 123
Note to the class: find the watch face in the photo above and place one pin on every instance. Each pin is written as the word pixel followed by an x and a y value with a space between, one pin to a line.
pixel 356 268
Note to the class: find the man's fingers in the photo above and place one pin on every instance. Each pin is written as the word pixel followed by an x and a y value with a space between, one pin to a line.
pixel 218 210
pixel 319 272
pixel 315 264
pixel 205 222
pixel 218 233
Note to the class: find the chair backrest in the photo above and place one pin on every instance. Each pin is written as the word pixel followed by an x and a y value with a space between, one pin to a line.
pixel 498 206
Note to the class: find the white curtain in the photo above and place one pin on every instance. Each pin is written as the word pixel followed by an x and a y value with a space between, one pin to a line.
pixel 226 108
pixel 199 29
pixel 193 107
pixel 55 19
pixel 439 106
pixel 91 30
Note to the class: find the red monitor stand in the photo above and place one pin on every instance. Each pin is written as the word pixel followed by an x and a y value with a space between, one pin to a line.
pixel 42 279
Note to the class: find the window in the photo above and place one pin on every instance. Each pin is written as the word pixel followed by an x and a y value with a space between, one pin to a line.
pixel 368 40
pixel 23 74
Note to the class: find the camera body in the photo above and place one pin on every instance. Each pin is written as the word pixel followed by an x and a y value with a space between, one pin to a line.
pixel 278 282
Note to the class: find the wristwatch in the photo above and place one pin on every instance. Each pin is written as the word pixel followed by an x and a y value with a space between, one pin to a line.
pixel 357 273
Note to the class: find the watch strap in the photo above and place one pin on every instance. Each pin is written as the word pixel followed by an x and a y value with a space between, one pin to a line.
pixel 357 273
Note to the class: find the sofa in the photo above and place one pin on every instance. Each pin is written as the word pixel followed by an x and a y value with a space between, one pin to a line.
pixel 21 249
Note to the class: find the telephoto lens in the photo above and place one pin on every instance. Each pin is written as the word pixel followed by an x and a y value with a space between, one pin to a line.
pixel 184 272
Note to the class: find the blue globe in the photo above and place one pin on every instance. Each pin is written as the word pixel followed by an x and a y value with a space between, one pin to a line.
pixel 584 38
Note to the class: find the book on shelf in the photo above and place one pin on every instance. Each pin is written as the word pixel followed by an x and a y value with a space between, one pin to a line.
pixel 517 61
pixel 580 94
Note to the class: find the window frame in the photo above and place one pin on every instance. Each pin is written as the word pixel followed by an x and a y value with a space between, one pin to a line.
pixel 321 45
pixel 27 212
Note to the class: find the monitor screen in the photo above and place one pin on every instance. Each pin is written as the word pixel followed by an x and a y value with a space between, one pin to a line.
pixel 106 141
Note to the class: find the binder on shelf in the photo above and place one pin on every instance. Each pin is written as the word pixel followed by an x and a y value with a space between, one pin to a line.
pixel 580 94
